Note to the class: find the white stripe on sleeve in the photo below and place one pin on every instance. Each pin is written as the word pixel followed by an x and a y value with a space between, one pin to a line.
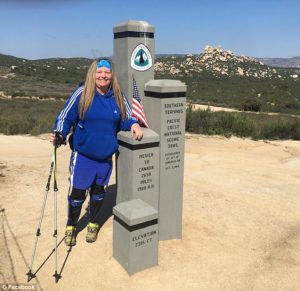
pixel 62 115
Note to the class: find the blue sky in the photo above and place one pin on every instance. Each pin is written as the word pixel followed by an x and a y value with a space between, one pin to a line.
pixel 37 29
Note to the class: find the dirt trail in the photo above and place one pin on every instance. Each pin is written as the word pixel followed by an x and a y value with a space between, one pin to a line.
pixel 241 221
pixel 227 109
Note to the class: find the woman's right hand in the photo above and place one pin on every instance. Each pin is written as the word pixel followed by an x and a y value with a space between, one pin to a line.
pixel 52 138
pixel 57 139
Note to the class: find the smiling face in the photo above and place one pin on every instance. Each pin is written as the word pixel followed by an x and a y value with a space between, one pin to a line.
pixel 103 79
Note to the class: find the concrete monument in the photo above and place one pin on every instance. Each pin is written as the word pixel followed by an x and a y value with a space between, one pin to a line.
pixel 135 235
pixel 165 105
pixel 138 168
pixel 150 171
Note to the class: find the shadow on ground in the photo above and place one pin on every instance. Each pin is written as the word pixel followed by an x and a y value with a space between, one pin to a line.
pixel 106 210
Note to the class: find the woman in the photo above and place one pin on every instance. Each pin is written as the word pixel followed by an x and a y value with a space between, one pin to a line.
pixel 96 111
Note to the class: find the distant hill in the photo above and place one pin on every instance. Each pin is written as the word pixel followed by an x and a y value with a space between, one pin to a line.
pixel 282 62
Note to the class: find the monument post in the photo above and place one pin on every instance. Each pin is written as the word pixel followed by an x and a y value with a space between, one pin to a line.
pixel 165 106
pixel 135 235
pixel 138 168
pixel 134 55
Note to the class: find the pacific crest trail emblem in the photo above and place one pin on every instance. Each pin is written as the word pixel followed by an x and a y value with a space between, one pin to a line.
pixel 141 59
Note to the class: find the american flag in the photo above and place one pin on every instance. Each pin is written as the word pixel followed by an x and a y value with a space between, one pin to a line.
pixel 137 107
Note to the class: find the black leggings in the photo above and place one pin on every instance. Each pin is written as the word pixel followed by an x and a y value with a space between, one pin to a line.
pixel 77 198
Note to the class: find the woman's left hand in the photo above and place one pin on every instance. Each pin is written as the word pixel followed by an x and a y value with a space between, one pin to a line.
pixel 136 131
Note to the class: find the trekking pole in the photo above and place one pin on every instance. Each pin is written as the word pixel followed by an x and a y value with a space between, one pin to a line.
pixel 56 275
pixel 30 275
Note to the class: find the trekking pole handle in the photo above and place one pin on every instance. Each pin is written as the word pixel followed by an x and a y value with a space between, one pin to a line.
pixel 59 139
pixel 55 171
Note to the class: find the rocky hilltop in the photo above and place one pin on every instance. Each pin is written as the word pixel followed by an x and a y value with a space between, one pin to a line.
pixel 220 62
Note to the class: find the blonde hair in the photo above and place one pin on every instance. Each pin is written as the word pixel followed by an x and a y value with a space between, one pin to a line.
pixel 89 89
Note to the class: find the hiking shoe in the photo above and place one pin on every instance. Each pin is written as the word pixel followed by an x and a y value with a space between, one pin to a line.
pixel 92 232
pixel 70 236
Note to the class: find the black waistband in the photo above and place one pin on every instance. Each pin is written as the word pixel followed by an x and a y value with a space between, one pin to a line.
pixel 107 160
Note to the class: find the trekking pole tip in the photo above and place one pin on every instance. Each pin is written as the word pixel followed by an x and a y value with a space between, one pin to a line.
pixel 56 276
pixel 30 275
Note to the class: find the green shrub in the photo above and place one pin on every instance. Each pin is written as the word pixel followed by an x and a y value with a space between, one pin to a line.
pixel 19 116
pixel 256 126
pixel 251 105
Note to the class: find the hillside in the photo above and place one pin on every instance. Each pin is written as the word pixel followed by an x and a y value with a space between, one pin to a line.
pixel 40 78
pixel 219 77
pixel 293 62
pixel 215 76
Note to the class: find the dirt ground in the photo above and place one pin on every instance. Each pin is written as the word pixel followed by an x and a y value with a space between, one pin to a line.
pixel 241 221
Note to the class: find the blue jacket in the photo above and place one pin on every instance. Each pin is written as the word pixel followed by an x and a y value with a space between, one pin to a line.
pixel 96 135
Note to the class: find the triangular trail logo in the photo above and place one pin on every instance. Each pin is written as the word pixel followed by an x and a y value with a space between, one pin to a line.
pixel 141 59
